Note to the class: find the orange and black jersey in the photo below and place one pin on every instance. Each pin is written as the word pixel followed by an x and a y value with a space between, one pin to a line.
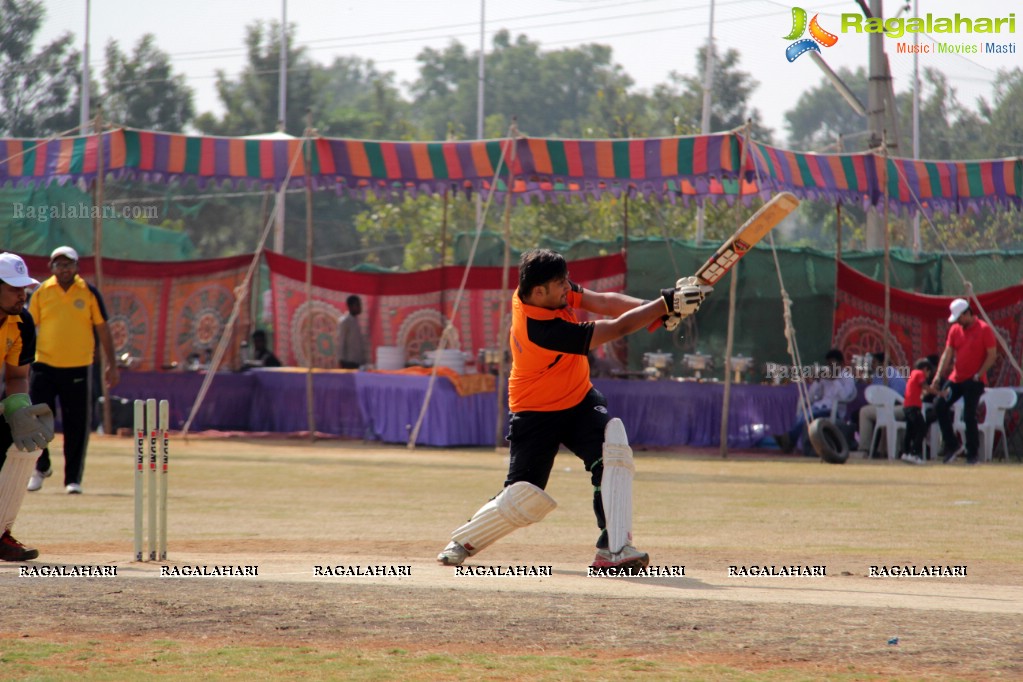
pixel 550 369
pixel 18 339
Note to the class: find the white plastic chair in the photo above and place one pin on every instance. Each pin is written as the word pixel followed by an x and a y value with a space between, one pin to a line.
pixel 884 399
pixel 996 402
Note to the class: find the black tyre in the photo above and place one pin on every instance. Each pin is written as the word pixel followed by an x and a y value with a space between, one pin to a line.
pixel 828 441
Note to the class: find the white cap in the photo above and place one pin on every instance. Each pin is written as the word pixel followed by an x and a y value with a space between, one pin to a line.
pixel 957 308
pixel 65 251
pixel 14 272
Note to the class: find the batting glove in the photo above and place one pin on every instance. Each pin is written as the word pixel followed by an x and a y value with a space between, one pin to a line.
pixel 694 281
pixel 683 301
pixel 671 322
pixel 31 425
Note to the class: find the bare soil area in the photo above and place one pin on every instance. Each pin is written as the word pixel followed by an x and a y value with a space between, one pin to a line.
pixel 288 507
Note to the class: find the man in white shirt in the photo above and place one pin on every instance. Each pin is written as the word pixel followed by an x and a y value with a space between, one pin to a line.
pixel 837 387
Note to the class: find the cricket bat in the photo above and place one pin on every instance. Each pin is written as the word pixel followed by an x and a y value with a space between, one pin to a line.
pixel 746 237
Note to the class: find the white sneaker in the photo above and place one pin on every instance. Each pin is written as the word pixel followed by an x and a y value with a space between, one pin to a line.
pixel 912 459
pixel 35 481
pixel 73 489
pixel 453 555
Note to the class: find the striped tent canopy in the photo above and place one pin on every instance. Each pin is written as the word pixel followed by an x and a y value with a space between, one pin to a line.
pixel 539 169
pixel 944 186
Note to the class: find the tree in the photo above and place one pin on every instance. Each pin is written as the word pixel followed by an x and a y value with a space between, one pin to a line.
pixel 39 91
pixel 548 94
pixel 251 101
pixel 1004 115
pixel 141 91
pixel 948 130
pixel 353 99
pixel 682 98
pixel 823 121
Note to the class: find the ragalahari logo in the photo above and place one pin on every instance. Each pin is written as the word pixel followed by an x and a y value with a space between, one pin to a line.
pixel 817 35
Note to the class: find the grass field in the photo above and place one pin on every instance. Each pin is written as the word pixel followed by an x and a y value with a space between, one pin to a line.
pixel 288 506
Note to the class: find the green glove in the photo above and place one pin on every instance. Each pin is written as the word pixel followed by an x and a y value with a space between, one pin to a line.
pixel 31 425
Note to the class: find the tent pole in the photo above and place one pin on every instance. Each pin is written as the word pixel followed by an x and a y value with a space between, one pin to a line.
pixel 97 255
pixel 502 337
pixel 443 248
pixel 733 284
pixel 887 262
pixel 309 340
pixel 838 230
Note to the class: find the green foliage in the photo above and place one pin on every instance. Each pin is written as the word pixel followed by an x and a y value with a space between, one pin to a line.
pixel 732 91
pixel 823 121
pixel 141 91
pixel 39 90
pixel 251 101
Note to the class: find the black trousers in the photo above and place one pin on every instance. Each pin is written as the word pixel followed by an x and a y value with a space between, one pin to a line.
pixel 970 392
pixel 536 437
pixel 916 429
pixel 72 387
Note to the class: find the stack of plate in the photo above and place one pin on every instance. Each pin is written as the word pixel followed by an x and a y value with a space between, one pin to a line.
pixel 390 357
pixel 449 357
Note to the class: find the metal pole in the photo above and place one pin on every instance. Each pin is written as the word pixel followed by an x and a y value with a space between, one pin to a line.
pixel 875 117
pixel 916 125
pixel 708 85
pixel 282 117
pixel 282 74
pixel 480 89
pixel 84 116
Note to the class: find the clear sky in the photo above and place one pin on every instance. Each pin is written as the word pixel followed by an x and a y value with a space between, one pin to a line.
pixel 650 38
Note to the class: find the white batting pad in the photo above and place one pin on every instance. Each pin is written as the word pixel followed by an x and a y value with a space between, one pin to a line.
pixel 616 485
pixel 518 505
pixel 14 484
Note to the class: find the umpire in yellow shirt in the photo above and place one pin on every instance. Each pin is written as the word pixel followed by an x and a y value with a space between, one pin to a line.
pixel 69 316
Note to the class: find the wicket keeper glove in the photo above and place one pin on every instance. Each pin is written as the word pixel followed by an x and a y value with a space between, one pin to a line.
pixel 31 425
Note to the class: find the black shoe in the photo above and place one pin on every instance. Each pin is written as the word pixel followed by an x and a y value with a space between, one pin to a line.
pixel 970 461
pixel 785 443
pixel 12 550
pixel 952 453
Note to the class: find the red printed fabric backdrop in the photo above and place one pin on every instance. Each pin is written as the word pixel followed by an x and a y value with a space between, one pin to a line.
pixel 919 323
pixel 160 312
pixel 403 309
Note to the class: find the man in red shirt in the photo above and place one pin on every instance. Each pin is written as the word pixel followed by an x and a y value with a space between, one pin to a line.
pixel 970 350
pixel 553 403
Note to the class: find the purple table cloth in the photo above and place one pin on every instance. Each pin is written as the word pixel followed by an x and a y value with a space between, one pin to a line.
pixel 227 403
pixel 673 413
pixel 384 407
pixel 391 404
pixel 279 403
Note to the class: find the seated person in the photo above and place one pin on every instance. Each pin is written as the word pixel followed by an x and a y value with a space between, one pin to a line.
pixel 261 355
pixel 868 413
pixel 916 425
pixel 838 387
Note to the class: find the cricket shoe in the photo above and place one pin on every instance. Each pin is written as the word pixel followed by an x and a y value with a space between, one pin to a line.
pixel 912 459
pixel 952 453
pixel 629 558
pixel 35 481
pixel 453 555
pixel 73 489
pixel 12 550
